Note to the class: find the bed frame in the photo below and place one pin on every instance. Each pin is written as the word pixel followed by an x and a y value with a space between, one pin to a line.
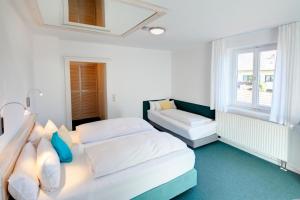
pixel 185 106
pixel 172 188
pixel 191 143
pixel 188 107
pixel 11 152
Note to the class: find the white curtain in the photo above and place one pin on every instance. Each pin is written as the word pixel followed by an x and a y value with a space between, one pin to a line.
pixel 220 77
pixel 286 96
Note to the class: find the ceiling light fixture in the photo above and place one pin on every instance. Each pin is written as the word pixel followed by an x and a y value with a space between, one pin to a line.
pixel 157 30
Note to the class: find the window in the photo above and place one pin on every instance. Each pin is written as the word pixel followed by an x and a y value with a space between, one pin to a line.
pixel 254 72
pixel 269 78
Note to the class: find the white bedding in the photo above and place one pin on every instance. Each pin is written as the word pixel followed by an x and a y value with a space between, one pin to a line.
pixel 102 130
pixel 130 151
pixel 187 118
pixel 191 133
pixel 78 183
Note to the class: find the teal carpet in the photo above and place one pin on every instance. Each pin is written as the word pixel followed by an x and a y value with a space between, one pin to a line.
pixel 226 173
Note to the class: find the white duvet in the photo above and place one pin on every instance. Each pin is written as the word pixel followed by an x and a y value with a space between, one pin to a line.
pixel 106 129
pixel 187 118
pixel 121 153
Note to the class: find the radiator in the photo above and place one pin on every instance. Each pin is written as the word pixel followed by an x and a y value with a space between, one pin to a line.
pixel 262 137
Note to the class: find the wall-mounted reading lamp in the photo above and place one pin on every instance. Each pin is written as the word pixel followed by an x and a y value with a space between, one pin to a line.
pixel 26 112
pixel 28 96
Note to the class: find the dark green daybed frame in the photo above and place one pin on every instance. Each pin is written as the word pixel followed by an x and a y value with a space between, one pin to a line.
pixel 188 107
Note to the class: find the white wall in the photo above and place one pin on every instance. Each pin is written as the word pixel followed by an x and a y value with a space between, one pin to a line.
pixel 133 75
pixel 15 65
pixel 257 38
pixel 191 74
pixel 294 149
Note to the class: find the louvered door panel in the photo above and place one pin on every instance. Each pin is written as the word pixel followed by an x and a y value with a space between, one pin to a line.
pixel 76 108
pixel 75 77
pixel 75 90
pixel 89 77
pixel 89 104
pixel 84 92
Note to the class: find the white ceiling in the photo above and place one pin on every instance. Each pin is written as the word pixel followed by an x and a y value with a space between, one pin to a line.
pixel 190 22
pixel 120 17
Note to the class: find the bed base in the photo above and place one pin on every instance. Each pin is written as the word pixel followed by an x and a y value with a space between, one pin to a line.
pixel 172 188
pixel 191 143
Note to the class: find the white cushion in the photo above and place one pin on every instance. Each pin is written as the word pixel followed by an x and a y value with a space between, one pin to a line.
pixel 152 105
pixel 37 133
pixel 23 184
pixel 48 166
pixel 50 128
pixel 65 135
pixel 157 105
pixel 173 105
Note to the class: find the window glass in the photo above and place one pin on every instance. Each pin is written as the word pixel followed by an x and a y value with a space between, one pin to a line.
pixel 245 77
pixel 266 76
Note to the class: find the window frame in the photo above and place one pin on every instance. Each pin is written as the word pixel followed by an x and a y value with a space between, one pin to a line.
pixel 254 106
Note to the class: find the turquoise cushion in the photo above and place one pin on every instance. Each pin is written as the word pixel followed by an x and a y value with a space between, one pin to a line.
pixel 62 149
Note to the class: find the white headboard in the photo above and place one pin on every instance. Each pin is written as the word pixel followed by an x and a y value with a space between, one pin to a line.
pixel 10 154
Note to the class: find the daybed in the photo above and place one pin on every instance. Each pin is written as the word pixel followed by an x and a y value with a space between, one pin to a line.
pixel 192 123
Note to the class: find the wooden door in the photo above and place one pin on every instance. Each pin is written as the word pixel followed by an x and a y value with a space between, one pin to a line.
pixel 84 90
pixel 102 90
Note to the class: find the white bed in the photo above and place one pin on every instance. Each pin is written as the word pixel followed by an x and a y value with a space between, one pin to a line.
pixel 198 135
pixel 79 183
pixel 78 180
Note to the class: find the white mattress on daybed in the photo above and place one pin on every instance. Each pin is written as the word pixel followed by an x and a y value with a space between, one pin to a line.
pixel 79 183
pixel 180 128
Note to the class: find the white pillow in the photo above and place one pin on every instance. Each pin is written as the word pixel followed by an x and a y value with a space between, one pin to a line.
pixel 152 105
pixel 157 105
pixel 63 132
pixel 23 184
pixel 37 133
pixel 173 104
pixel 50 128
pixel 48 166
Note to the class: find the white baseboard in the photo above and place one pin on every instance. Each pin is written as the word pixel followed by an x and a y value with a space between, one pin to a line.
pixel 257 154
pixel 293 168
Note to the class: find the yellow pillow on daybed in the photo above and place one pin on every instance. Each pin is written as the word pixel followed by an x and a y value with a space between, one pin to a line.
pixel 165 105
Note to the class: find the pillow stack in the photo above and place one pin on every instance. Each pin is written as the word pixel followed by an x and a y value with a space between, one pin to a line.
pixel 39 162
pixel 162 105
pixel 48 166
pixel 23 184
pixel 60 140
